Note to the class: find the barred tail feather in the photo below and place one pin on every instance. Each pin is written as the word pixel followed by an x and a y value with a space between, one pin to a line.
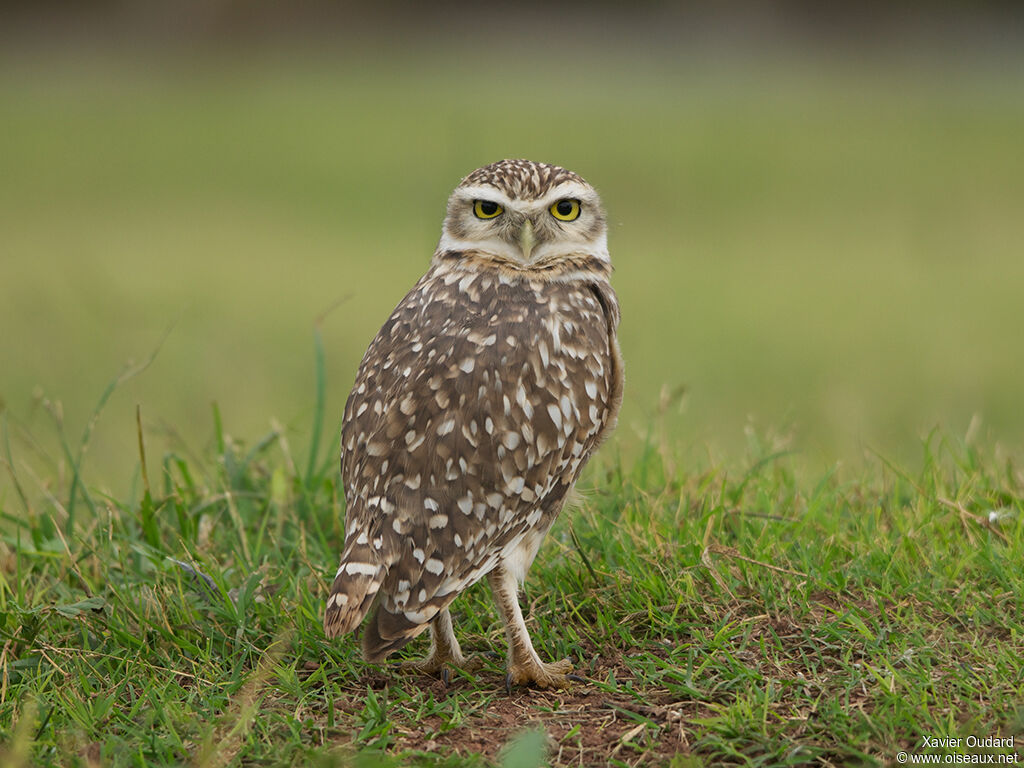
pixel 386 632
pixel 360 575
pixel 391 627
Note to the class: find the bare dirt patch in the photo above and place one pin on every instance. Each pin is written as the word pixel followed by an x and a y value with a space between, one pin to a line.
pixel 584 725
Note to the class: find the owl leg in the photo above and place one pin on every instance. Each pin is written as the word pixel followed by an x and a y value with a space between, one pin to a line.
pixel 445 652
pixel 524 665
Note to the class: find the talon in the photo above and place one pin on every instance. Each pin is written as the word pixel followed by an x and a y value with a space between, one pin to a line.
pixel 541 675
pixel 445 676
pixel 576 678
pixel 508 683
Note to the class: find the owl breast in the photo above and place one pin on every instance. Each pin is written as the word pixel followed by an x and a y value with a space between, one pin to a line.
pixel 473 413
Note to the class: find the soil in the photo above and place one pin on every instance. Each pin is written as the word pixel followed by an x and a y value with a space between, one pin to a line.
pixel 585 726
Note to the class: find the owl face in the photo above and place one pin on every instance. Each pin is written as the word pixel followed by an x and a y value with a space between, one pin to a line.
pixel 525 214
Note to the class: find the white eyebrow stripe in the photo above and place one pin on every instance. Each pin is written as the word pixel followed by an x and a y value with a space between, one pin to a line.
pixel 566 189
pixel 483 192
pixel 571 189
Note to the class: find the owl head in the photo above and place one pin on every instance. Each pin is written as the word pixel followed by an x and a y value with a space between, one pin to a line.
pixel 525 215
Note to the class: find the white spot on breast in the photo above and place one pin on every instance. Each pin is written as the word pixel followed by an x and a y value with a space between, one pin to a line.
pixel 467 365
pixel 555 414
pixel 435 566
pixel 556 337
pixel 418 554
pixel 446 426
pixel 591 387
pixel 511 440
pixel 566 406
pixel 521 395
pixel 465 504
pixel 438 521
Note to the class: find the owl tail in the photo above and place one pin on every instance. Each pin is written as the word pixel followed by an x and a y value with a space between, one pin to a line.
pixel 386 632
pixel 359 577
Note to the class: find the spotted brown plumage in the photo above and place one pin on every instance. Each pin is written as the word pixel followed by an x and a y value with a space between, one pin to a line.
pixel 473 412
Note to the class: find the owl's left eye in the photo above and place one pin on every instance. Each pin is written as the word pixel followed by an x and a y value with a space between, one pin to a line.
pixel 565 210
pixel 486 209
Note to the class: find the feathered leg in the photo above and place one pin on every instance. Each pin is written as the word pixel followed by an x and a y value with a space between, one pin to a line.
pixel 445 652
pixel 524 665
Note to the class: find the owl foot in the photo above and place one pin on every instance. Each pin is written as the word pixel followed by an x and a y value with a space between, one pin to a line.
pixel 540 675
pixel 445 653
pixel 441 665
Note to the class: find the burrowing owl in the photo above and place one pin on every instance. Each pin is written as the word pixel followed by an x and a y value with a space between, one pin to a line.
pixel 474 411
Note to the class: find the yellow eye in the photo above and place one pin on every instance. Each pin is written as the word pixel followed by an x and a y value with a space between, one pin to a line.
pixel 566 210
pixel 487 209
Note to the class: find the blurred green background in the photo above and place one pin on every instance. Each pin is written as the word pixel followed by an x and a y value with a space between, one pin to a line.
pixel 815 235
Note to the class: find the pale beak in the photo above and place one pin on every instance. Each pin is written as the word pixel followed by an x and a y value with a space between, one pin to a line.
pixel 526 240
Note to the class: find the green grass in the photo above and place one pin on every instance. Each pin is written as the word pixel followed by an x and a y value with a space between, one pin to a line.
pixel 723 614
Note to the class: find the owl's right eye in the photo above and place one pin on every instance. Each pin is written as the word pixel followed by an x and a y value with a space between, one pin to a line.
pixel 487 209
